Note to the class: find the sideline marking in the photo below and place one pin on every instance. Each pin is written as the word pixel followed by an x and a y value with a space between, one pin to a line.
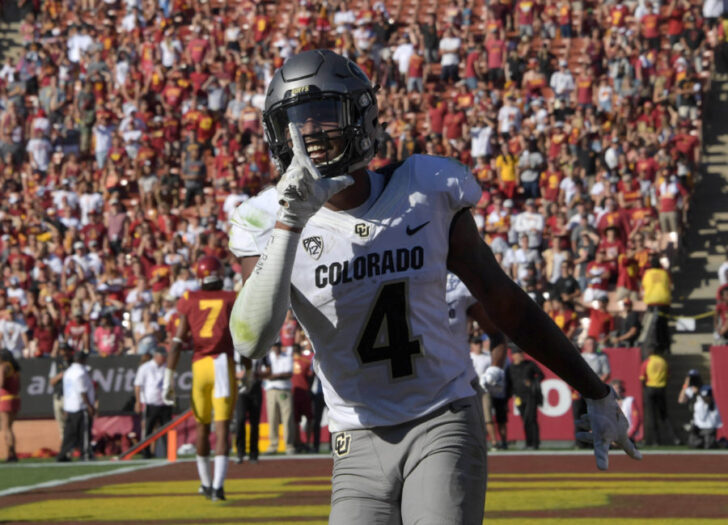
pixel 82 477
pixel 46 464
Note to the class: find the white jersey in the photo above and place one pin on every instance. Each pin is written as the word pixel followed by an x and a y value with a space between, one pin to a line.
pixel 370 293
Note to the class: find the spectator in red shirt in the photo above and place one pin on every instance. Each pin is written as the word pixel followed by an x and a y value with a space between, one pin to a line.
pixel 78 332
pixel 565 318
pixel 650 27
pixel 601 322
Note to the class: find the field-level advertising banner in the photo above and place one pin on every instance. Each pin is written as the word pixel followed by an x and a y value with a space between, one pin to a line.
pixel 555 416
pixel 112 376
pixel 719 382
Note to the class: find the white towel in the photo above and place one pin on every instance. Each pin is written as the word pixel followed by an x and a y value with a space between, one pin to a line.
pixel 222 378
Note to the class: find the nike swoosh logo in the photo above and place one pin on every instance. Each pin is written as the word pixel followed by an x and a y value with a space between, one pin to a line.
pixel 412 231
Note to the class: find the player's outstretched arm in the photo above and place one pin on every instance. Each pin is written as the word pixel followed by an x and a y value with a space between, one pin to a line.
pixel 260 308
pixel 532 330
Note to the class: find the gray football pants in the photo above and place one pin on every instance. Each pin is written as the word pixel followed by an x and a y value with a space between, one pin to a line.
pixel 429 471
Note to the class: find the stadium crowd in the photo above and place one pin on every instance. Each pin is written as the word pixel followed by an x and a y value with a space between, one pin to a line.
pixel 130 130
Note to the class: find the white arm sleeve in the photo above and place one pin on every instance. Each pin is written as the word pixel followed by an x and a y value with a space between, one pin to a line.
pixel 261 305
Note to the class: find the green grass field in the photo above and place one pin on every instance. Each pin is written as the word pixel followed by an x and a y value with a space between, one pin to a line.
pixel 667 488
pixel 13 476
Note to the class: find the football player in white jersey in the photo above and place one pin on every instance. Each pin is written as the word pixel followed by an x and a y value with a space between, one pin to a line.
pixel 371 253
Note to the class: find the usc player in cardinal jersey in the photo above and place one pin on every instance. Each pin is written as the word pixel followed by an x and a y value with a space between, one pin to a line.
pixel 205 314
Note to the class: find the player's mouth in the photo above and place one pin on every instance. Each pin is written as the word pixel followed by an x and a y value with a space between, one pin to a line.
pixel 317 152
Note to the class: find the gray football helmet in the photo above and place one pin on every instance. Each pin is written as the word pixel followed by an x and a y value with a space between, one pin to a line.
pixel 321 86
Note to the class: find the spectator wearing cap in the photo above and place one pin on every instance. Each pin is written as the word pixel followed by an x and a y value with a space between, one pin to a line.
pixel 79 404
pixel 149 400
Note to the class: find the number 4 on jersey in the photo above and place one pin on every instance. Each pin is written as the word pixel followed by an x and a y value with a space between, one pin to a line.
pixel 388 317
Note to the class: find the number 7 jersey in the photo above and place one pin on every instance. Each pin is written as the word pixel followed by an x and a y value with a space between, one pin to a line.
pixel 370 293
pixel 208 316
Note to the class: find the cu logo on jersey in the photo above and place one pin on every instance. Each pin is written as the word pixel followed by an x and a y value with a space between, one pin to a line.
pixel 362 229
pixel 314 246
pixel 342 443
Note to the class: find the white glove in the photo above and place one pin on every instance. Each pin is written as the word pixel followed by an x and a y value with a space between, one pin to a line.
pixel 302 191
pixel 168 387
pixel 607 423
pixel 495 380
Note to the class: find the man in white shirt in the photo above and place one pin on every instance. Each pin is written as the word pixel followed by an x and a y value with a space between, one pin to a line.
pixel 562 81
pixel 509 117
pixel 13 334
pixel 77 44
pixel 530 223
pixel 148 392
pixel 480 139
pixel 402 55
pixel 277 371
pixel 449 56
pixel 481 362
pixel 706 420
pixel 78 403
pixel 185 281
pixel 39 150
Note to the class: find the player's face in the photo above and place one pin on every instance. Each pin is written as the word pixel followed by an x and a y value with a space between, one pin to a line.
pixel 320 122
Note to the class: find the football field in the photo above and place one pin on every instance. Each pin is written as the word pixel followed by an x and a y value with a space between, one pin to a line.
pixel 540 488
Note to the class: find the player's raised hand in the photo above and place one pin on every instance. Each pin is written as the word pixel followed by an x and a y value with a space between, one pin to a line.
pixel 302 191
pixel 495 380
pixel 603 424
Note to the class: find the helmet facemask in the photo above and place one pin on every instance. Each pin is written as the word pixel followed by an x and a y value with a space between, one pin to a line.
pixel 332 127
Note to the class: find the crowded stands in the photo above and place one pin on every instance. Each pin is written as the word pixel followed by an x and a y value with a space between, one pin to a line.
pixel 131 130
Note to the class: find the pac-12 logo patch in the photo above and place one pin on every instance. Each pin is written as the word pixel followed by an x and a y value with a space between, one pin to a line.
pixel 314 246
pixel 342 443
pixel 361 229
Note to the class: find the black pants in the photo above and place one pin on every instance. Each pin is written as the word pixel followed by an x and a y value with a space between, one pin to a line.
pixel 657 426
pixel 529 413
pixel 248 407
pixel 77 434
pixel 156 415
pixel 658 331
pixel 317 405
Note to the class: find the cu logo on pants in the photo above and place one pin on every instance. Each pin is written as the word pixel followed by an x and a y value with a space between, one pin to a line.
pixel 342 444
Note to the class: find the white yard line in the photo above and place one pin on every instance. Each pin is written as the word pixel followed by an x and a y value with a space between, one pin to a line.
pixel 83 477
pixel 47 464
